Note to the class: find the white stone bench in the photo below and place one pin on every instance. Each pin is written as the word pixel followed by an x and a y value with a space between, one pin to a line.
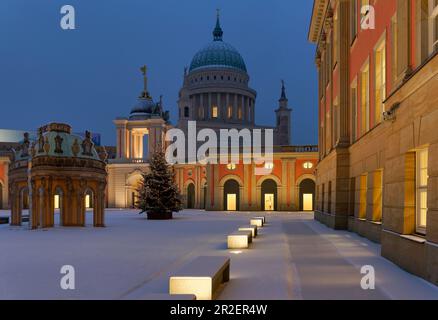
pixel 202 277
pixel 256 222
pixel 252 228
pixel 261 217
pixel 239 240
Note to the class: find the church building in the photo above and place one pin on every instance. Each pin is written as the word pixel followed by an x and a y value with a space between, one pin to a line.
pixel 217 95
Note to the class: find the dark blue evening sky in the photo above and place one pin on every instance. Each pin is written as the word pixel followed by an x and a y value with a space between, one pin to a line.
pixel 89 76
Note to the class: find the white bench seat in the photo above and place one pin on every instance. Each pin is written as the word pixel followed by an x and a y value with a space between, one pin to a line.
pixel 256 222
pixel 239 240
pixel 252 228
pixel 202 277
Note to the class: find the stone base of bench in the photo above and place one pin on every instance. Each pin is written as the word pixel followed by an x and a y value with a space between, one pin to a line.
pixel 203 278
pixel 252 228
pixel 239 240
pixel 257 222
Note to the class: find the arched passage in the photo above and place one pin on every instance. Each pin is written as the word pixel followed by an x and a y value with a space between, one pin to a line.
pixel 1 195
pixel 132 184
pixel 231 195
pixel 204 195
pixel 190 196
pixel 269 195
pixel 307 195
pixel 23 206
pixel 59 203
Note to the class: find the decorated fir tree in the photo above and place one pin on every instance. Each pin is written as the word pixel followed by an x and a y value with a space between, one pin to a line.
pixel 158 193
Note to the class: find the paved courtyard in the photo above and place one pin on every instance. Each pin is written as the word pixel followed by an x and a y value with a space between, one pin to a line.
pixel 294 257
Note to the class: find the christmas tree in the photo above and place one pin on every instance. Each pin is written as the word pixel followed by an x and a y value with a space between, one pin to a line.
pixel 158 193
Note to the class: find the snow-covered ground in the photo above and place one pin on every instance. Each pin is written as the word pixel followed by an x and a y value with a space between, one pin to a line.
pixel 294 257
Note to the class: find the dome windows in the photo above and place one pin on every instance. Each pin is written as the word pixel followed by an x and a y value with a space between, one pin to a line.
pixel 214 112
pixel 230 112
pixel 269 166
pixel 307 165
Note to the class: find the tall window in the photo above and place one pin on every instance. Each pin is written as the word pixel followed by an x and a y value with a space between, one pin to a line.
pixel 214 112
pixel 239 113
pixel 186 112
pixel 380 80
pixel 377 195
pixel 335 38
pixel 336 128
pixel 230 112
pixel 394 49
pixel 363 196
pixel 433 26
pixel 353 97
pixel 365 98
pixel 421 190
pixel 353 19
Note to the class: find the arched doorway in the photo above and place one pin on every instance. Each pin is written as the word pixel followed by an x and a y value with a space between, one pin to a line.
pixel 88 204
pixel 1 195
pixel 24 206
pixel 231 195
pixel 58 204
pixel 204 196
pixel 269 195
pixel 191 196
pixel 307 195
pixel 132 184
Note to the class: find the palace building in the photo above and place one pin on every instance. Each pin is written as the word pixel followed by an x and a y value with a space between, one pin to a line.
pixel 378 113
pixel 217 95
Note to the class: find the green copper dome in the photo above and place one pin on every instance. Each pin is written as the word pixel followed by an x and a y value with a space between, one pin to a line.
pixel 218 54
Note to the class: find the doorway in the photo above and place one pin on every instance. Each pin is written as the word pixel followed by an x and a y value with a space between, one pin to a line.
pixel 269 195
pixel 269 202
pixel 307 195
pixel 191 196
pixel 231 195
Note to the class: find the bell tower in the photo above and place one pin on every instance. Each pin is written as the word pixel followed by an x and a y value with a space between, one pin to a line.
pixel 283 132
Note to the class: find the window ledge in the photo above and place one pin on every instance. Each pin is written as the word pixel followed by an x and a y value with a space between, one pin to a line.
pixel 379 223
pixel 414 238
pixel 361 219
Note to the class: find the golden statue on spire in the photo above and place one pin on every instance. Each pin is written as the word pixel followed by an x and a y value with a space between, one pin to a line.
pixel 144 70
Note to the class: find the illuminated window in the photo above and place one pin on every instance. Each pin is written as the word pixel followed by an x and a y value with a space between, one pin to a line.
pixel 422 178
pixel 308 165
pixel 239 113
pixel 214 112
pixel 231 166
pixel 269 165
pixel 230 112
pixel 353 97
pixel 363 196
pixel 56 201
pixel 380 80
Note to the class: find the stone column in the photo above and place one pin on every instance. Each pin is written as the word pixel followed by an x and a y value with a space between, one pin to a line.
pixel 344 65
